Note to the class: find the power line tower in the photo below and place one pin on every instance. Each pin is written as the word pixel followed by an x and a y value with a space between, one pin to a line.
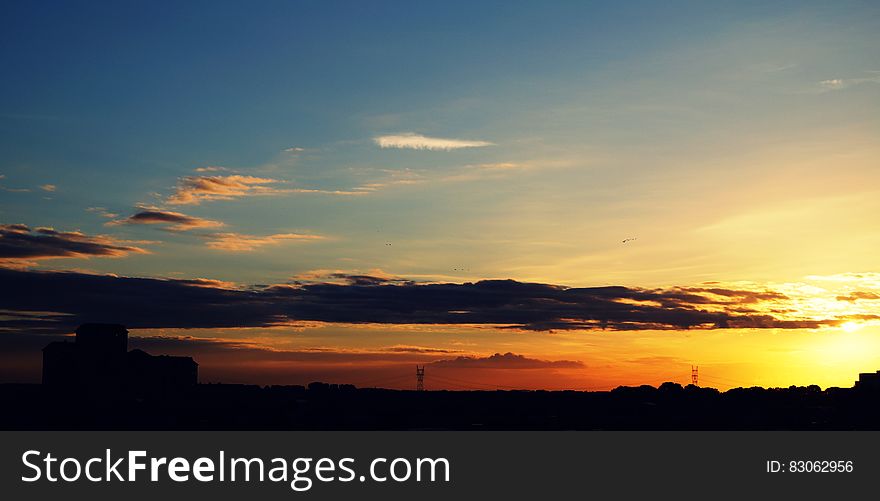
pixel 695 375
pixel 420 378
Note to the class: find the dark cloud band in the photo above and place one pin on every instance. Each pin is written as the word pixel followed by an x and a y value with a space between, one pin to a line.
pixel 175 220
pixel 506 361
pixel 161 303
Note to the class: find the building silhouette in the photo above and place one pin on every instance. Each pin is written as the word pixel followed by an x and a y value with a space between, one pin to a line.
pixel 98 362
pixel 868 381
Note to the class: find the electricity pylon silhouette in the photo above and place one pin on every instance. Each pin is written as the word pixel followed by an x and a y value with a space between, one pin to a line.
pixel 695 375
pixel 420 378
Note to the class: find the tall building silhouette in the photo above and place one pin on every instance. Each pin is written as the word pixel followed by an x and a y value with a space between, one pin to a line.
pixel 868 381
pixel 98 361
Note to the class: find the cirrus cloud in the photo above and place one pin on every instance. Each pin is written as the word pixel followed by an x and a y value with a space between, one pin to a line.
pixel 843 83
pixel 237 242
pixel 413 141
pixel 193 190
pixel 102 211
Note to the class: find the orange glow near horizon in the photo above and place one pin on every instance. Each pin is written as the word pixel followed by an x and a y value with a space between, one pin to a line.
pixel 368 354
pixel 727 358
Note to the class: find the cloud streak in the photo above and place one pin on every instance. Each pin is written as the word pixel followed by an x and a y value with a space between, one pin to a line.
pixel 506 361
pixel 843 83
pixel 21 246
pixel 193 190
pixel 103 212
pixel 237 242
pixel 413 141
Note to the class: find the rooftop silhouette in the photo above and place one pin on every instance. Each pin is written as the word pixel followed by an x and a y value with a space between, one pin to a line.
pixel 94 382
pixel 98 362
pixel 868 381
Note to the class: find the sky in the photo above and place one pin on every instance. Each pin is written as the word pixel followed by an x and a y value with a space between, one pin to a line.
pixel 515 194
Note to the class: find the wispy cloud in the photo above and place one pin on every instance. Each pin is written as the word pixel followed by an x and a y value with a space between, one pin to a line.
pixel 102 211
pixel 176 221
pixel 392 178
pixel 860 296
pixel 193 190
pixel 418 349
pixel 834 83
pixel 486 171
pixel 209 282
pixel 14 190
pixel 21 246
pixel 237 242
pixel 499 166
pixel 211 168
pixel 413 141
pixel 843 83
pixel 45 187
pixel 294 149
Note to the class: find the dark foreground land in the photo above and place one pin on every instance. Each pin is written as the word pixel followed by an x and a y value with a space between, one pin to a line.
pixel 343 407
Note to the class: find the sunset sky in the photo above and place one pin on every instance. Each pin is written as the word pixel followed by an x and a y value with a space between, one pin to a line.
pixel 518 195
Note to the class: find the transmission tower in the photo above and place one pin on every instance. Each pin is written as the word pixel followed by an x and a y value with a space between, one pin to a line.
pixel 420 378
pixel 695 375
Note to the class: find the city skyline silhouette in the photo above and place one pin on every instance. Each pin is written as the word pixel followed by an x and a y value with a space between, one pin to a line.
pixel 97 383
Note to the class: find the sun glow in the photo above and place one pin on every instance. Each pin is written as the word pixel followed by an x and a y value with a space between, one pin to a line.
pixel 850 326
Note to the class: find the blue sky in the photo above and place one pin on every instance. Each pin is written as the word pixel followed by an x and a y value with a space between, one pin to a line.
pixel 613 104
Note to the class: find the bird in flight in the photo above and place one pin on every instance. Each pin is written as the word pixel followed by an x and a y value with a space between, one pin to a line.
pixel 625 240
